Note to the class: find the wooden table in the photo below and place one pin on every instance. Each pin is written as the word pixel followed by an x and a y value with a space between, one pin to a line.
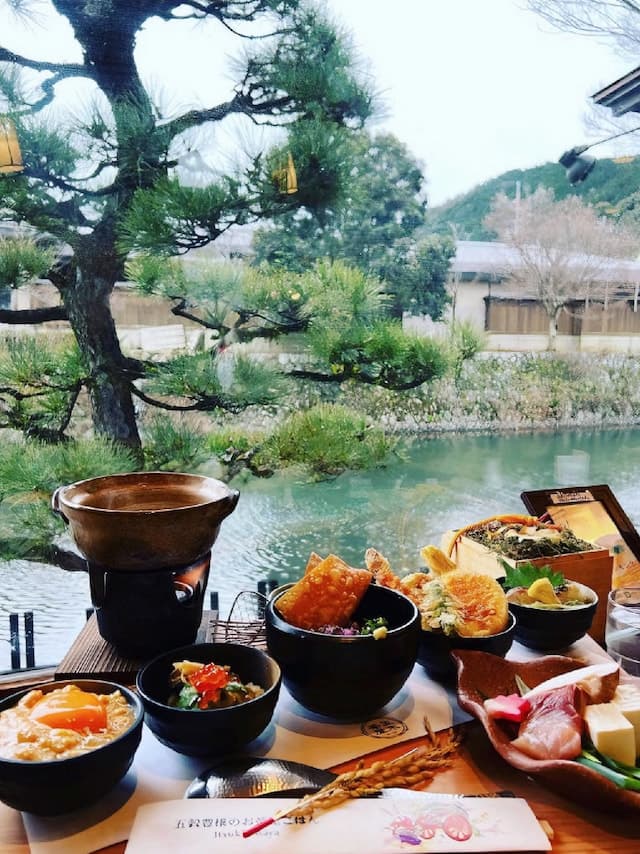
pixel 476 770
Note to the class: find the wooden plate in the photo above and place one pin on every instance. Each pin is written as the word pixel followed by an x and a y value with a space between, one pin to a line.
pixel 482 675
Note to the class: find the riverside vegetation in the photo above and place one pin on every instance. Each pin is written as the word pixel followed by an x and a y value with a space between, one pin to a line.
pixel 322 430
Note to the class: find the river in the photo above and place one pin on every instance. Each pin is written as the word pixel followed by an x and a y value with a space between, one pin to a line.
pixel 436 484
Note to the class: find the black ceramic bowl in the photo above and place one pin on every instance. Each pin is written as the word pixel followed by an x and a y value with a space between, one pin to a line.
pixel 347 677
pixel 553 630
pixel 210 732
pixel 62 785
pixel 435 649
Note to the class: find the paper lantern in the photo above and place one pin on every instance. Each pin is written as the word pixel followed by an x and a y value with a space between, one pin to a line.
pixel 286 178
pixel 10 156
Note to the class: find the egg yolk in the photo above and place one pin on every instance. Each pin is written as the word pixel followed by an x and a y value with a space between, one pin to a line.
pixel 70 709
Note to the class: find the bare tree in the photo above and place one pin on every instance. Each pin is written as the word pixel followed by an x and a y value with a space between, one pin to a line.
pixel 562 250
pixel 618 20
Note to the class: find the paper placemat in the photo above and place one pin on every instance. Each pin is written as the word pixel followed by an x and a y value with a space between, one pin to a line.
pixel 428 823
pixel 160 774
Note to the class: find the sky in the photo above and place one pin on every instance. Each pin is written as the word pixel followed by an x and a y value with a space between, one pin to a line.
pixel 477 87
pixel 472 87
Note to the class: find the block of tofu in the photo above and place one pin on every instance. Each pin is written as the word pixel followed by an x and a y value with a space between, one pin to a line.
pixel 627 699
pixel 610 732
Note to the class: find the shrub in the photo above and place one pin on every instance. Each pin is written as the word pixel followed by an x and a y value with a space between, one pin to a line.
pixel 325 440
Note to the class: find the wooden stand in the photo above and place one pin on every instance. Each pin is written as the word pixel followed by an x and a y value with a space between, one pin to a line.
pixel 92 657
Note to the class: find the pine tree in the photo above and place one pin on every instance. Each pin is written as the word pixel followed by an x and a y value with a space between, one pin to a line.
pixel 109 182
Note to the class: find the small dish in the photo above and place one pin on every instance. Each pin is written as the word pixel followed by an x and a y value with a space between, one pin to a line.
pixel 253 777
pixel 482 675
pixel 435 649
pixel 212 731
pixel 552 629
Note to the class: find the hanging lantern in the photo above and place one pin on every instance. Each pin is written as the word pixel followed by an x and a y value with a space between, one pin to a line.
pixel 286 178
pixel 10 156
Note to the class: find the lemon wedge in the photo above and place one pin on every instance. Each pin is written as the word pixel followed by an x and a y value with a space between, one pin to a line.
pixel 542 591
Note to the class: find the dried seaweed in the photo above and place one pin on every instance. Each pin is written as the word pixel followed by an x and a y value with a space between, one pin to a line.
pixel 503 540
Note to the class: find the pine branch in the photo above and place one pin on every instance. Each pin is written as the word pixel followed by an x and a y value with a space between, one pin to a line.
pixel 180 310
pixel 74 394
pixel 202 404
pixel 248 11
pixel 240 103
pixel 343 376
pixel 61 184
pixel 19 317
pixel 60 69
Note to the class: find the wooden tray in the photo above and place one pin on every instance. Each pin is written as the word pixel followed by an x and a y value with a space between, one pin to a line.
pixel 90 656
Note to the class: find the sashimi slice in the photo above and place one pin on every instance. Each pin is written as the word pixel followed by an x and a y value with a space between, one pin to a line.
pixel 554 726
pixel 598 681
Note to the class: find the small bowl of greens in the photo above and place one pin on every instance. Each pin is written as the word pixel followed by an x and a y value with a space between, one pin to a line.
pixel 551 612
pixel 209 698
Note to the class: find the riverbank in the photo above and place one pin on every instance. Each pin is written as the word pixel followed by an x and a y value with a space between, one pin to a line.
pixel 506 392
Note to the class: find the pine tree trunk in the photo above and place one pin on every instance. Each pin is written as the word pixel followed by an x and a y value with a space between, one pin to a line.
pixel 86 298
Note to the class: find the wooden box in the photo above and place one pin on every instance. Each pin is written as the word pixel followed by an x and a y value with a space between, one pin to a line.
pixel 592 568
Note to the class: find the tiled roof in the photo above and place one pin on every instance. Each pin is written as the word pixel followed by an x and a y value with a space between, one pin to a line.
pixel 622 96
pixel 487 258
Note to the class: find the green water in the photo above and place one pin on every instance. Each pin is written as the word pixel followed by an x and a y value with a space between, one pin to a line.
pixel 438 484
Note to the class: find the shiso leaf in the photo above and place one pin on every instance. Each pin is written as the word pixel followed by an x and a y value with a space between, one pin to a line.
pixel 526 573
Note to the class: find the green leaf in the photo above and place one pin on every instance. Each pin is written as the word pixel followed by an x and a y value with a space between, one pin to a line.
pixel 188 697
pixel 525 574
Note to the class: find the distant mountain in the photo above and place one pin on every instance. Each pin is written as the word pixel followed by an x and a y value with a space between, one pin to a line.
pixel 609 184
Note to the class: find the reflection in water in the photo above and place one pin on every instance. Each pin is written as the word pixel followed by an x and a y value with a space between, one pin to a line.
pixel 438 484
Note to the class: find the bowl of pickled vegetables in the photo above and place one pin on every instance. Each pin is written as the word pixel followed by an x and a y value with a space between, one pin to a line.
pixel 209 698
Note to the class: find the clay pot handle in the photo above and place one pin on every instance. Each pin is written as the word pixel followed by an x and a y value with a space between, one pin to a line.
pixel 55 505
pixel 230 502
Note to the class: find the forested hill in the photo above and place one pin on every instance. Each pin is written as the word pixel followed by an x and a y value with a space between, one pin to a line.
pixel 612 186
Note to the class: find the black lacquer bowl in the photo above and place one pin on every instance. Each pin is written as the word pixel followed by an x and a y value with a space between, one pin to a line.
pixel 436 649
pixel 347 677
pixel 210 732
pixel 553 630
pixel 63 785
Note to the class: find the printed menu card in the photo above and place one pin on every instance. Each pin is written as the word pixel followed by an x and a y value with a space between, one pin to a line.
pixel 430 823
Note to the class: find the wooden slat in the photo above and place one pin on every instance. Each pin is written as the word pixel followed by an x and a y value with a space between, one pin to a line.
pixel 90 656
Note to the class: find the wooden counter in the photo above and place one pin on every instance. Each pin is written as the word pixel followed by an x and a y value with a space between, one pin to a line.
pixel 477 770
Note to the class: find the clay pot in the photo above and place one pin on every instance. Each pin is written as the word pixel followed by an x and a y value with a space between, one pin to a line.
pixel 145 520
pixel 147 538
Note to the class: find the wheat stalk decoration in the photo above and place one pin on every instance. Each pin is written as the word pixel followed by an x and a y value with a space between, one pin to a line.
pixel 410 769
